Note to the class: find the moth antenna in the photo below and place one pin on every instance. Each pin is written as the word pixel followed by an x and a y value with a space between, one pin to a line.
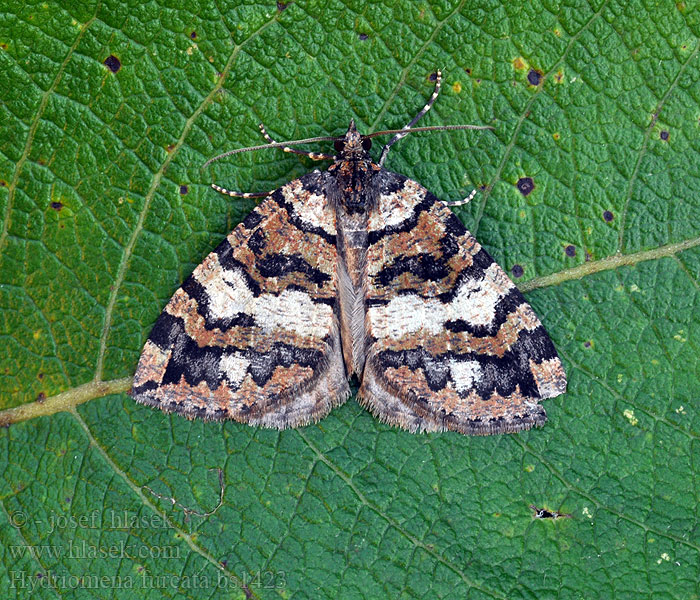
pixel 428 128
pixel 412 122
pixel 272 145
pixel 312 155
pixel 332 139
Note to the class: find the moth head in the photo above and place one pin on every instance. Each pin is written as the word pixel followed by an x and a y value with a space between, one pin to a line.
pixel 353 146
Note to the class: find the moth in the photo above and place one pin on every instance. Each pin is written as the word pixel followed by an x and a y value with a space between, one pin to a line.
pixel 352 271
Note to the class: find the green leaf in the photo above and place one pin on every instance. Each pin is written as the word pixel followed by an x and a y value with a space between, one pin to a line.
pixel 105 210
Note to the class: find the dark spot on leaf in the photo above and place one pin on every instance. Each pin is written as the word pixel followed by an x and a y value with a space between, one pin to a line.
pixel 170 147
pixel 193 35
pixel 223 563
pixel 363 36
pixel 588 256
pixel 184 189
pixel 664 135
pixel 587 344
pixel 517 271
pixel 113 63
pixel 41 162
pixel 543 513
pixel 3 46
pixel 556 135
pixel 478 80
pixel 468 71
pixel 282 5
pixel 57 205
pixel 525 185
pixel 570 250
pixel 433 77
pixel 534 77
pixel 41 396
pixel 69 499
pixel 482 187
pixel 40 375
pixel 608 216
pixel 3 183
pixel 559 76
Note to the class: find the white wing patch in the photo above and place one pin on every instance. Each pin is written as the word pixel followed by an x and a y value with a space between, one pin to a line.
pixel 395 208
pixel 464 374
pixel 227 290
pixel 477 299
pixel 309 207
pixel 408 314
pixel 293 311
pixel 234 367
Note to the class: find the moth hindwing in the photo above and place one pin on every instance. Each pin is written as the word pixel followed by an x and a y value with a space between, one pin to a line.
pixel 351 271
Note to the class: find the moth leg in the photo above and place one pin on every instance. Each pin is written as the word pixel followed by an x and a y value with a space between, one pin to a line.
pixel 466 200
pixel 311 155
pixel 236 194
pixel 405 128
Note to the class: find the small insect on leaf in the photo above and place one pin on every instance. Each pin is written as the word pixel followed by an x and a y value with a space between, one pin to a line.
pixel 354 270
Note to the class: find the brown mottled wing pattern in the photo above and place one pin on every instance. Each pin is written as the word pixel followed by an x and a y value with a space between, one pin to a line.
pixel 452 343
pixel 253 334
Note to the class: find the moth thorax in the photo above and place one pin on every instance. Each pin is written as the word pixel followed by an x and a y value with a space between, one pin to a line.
pixel 355 185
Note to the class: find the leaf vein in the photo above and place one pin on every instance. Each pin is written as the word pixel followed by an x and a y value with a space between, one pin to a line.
pixel 523 116
pixel 126 255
